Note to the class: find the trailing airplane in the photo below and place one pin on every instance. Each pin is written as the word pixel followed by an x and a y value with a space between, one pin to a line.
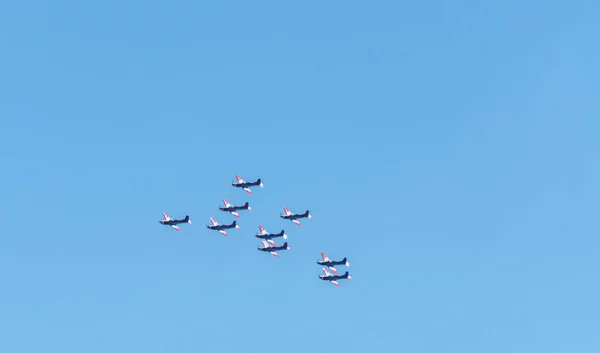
pixel 168 221
pixel 245 185
pixel 331 264
pixel 233 209
pixel 334 278
pixel 272 248
pixel 294 217
pixel 266 235
pixel 221 227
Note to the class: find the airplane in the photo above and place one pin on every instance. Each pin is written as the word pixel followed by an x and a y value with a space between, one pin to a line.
pixel 273 248
pixel 294 217
pixel 247 185
pixel 232 209
pixel 221 227
pixel 334 278
pixel 268 236
pixel 331 264
pixel 168 221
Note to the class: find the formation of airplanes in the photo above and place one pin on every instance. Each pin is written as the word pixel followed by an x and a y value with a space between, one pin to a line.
pixel 268 244
pixel 330 264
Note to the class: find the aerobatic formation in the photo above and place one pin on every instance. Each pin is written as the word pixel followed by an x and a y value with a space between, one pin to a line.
pixel 327 276
pixel 266 238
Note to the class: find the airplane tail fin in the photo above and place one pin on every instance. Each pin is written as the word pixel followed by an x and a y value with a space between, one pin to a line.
pixel 260 183
pixel 346 262
pixel 308 214
pixel 247 204
pixel 346 275
pixel 234 224
pixel 285 246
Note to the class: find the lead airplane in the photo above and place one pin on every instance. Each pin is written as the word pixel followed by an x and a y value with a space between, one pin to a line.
pixel 168 221
pixel 266 235
pixel 331 264
pixel 294 217
pixel 233 209
pixel 221 227
pixel 334 278
pixel 272 248
pixel 246 185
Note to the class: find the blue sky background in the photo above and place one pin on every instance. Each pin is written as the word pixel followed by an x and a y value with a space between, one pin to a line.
pixel 445 147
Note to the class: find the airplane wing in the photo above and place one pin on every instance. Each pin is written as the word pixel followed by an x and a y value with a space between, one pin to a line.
pixel 265 244
pixel 326 272
pixel 214 221
pixel 227 204
pixel 271 242
pixel 287 211
pixel 166 216
pixel 324 256
pixel 262 230
pixel 175 227
pixel 239 179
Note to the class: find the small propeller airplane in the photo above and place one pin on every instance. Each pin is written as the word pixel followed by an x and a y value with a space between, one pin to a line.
pixel 168 221
pixel 266 235
pixel 294 217
pixel 221 227
pixel 334 278
pixel 270 247
pixel 331 264
pixel 233 209
pixel 246 185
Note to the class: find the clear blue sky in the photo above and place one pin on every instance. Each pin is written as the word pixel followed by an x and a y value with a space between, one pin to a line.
pixel 445 147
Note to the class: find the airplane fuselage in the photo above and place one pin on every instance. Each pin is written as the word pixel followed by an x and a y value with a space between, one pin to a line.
pixel 334 278
pixel 270 236
pixel 221 227
pixel 331 263
pixel 172 222
pixel 246 184
pixel 273 248
pixel 295 216
pixel 233 208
